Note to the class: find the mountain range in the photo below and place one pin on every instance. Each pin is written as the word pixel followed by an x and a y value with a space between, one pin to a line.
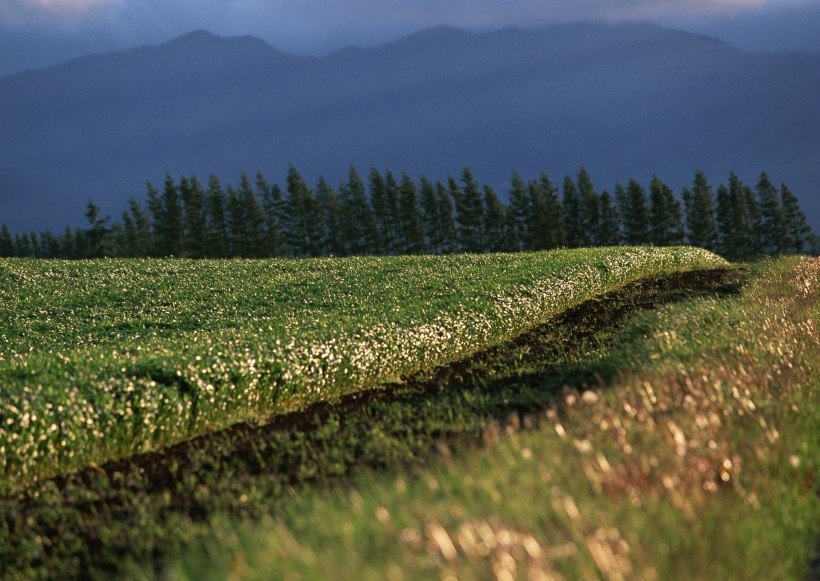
pixel 624 101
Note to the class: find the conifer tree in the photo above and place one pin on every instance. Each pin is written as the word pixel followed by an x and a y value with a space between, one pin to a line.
pixel 634 213
pixel 216 223
pixel 381 212
pixel 195 242
pixel 665 215
pixel 573 225
pixel 590 209
pixel 23 247
pixel 154 202
pixel 494 216
pixel 359 226
pixel 393 217
pixel 49 245
pixel 236 224
pixel 469 213
pixel 330 218
pixel 170 227
pixel 553 220
pixel 755 222
pixel 700 213
pixel 6 242
pixel 412 231
pixel 520 211
pixel 253 217
pixel 273 208
pixel 68 246
pixel 772 220
pixel 445 218
pixel 538 229
pixel 301 216
pixel 798 233
pixel 734 225
pixel 433 236
pixel 610 225
pixel 99 242
pixel 139 237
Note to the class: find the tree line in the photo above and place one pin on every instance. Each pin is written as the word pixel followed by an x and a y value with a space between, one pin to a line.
pixel 386 214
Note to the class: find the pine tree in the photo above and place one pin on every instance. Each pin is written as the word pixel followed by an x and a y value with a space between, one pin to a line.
pixel 433 236
pixel 236 224
pixel 445 219
pixel 170 227
pixel 194 235
pixel 411 229
pixel 700 213
pixel 359 226
pixel 330 218
pixel 734 224
pixel 755 222
pixel 68 245
pixel 494 215
pixel 772 221
pixel 392 223
pixel 469 212
pixel 573 226
pixel 665 215
pixel 590 209
pixel 301 216
pixel 6 243
pixel 798 233
pixel 273 208
pixel 215 223
pixel 553 221
pixel 538 230
pixel 610 225
pixel 381 213
pixel 98 236
pixel 520 211
pixel 49 245
pixel 155 210
pixel 634 213
pixel 253 218
pixel 23 246
pixel 139 238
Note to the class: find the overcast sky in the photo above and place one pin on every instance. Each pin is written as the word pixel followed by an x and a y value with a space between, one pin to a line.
pixel 35 33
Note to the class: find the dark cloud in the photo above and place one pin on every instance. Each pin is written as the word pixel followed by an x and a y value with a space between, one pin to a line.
pixel 68 28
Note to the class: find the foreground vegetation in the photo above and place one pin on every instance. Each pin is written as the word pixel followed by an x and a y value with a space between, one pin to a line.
pixel 681 445
pixel 694 455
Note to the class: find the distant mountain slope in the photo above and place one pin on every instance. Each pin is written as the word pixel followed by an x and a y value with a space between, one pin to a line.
pixel 624 101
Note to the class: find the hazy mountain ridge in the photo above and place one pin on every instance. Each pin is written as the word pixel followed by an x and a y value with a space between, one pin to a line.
pixel 624 101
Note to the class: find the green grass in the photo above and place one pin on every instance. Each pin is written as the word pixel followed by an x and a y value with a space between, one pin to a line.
pixel 696 456
pixel 100 360
pixel 665 429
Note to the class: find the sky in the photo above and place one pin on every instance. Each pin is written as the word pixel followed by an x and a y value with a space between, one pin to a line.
pixel 38 33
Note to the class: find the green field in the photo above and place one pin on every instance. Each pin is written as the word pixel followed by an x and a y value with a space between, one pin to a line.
pixel 353 452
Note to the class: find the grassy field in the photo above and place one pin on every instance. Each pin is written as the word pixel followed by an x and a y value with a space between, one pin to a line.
pixel 671 444
pixel 693 454
pixel 103 359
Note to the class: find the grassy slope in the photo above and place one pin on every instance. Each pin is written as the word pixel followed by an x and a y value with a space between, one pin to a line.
pixel 150 508
pixel 100 360
pixel 696 457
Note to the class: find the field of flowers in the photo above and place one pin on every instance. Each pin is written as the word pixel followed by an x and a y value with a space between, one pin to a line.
pixel 104 359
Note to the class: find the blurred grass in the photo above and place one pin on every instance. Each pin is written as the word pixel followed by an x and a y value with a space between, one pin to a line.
pixel 697 459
